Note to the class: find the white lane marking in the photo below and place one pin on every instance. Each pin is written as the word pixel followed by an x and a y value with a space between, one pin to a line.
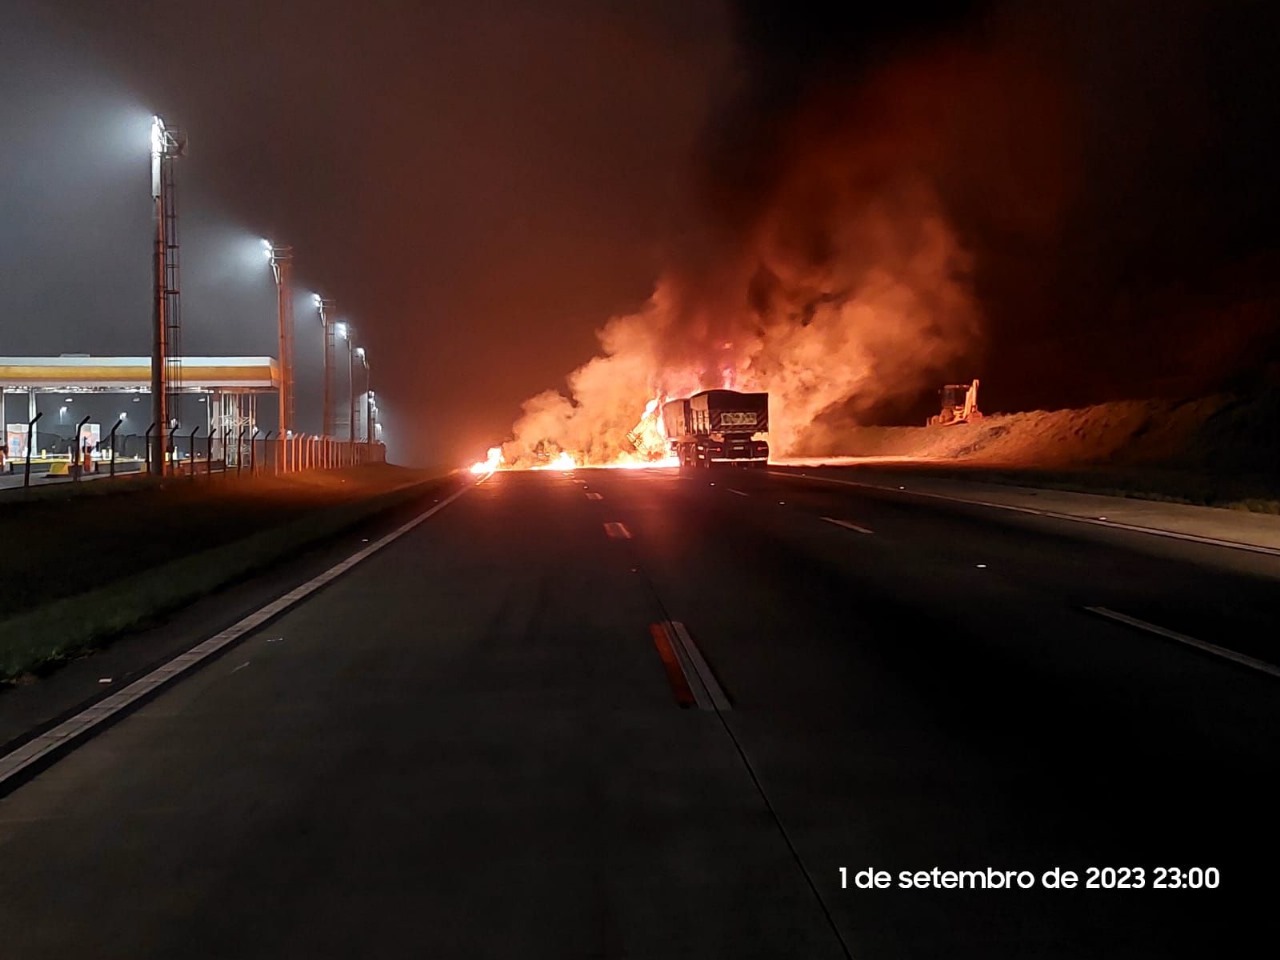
pixel 594 496
pixel 1240 658
pixel 77 726
pixel 1095 521
pixel 241 667
pixel 695 685
pixel 617 531
pixel 738 492
pixel 702 680
pixel 847 525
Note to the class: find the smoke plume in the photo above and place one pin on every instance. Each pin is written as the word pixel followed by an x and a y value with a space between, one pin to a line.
pixel 844 285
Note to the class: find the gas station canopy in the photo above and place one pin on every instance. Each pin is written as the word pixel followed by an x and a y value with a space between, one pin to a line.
pixel 72 374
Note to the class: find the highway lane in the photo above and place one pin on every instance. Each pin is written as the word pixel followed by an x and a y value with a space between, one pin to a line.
pixel 464 748
pixel 938 680
pixel 468 746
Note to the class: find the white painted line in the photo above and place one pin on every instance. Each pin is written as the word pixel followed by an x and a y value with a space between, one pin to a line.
pixel 847 525
pixel 14 762
pixel 1259 665
pixel 700 695
pixel 617 531
pixel 594 496
pixel 1095 521
pixel 686 649
pixel 241 667
pixel 738 492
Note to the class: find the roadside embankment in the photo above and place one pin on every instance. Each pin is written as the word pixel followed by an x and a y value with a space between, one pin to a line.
pixel 1215 451
pixel 1249 531
pixel 77 570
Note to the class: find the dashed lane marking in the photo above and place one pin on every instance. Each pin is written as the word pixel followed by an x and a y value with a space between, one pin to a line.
pixel 594 496
pixel 738 492
pixel 671 664
pixel 690 677
pixel 847 525
pixel 617 531
pixel 705 678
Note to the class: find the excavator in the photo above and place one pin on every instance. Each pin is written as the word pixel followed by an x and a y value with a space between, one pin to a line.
pixel 959 404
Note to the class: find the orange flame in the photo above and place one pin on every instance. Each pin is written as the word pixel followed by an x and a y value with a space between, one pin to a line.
pixel 649 438
pixel 489 465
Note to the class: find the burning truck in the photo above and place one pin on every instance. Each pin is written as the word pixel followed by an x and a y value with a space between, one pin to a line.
pixel 718 426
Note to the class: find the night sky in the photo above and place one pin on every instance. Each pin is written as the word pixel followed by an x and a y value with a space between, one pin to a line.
pixel 481 186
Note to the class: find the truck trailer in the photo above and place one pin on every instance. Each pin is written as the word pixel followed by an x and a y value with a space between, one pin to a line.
pixel 718 427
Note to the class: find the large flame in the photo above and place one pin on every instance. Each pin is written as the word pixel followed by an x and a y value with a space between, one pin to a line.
pixel 564 461
pixel 845 289
pixel 490 464
pixel 649 436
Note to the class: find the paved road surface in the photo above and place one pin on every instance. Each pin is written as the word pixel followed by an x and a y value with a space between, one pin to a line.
pixel 469 746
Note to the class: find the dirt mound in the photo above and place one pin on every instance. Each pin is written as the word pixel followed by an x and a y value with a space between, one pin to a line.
pixel 1217 434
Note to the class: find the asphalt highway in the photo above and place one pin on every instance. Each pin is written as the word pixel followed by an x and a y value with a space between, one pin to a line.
pixel 646 714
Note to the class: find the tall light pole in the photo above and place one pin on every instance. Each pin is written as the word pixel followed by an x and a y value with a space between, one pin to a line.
pixel 323 306
pixel 166 146
pixel 364 360
pixel 370 414
pixel 281 258
pixel 344 331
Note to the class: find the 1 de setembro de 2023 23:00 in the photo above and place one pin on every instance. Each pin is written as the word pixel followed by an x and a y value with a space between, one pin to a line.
pixel 1055 878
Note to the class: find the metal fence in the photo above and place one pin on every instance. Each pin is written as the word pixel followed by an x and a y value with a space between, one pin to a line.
pixel 246 454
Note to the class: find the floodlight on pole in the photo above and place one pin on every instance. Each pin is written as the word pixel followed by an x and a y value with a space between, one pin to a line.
pixel 280 257
pixel 367 396
pixel 167 144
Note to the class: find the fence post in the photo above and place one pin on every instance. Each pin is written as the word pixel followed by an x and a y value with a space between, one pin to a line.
pixel 77 460
pixel 146 442
pixel 208 454
pixel 112 435
pixel 191 449
pixel 26 476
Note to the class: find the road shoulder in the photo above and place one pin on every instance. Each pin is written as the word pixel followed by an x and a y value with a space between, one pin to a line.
pixel 1260 532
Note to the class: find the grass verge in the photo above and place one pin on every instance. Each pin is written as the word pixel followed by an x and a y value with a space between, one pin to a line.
pixel 38 639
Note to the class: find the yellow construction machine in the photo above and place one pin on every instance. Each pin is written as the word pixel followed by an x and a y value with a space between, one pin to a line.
pixel 959 404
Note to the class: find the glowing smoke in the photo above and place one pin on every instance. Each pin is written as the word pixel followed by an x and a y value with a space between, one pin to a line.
pixel 848 288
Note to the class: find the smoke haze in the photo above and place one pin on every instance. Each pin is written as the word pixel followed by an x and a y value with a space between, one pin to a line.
pixel 1066 200
pixel 847 205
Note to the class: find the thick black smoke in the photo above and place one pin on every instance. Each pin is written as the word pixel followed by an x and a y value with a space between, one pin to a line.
pixel 1109 166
